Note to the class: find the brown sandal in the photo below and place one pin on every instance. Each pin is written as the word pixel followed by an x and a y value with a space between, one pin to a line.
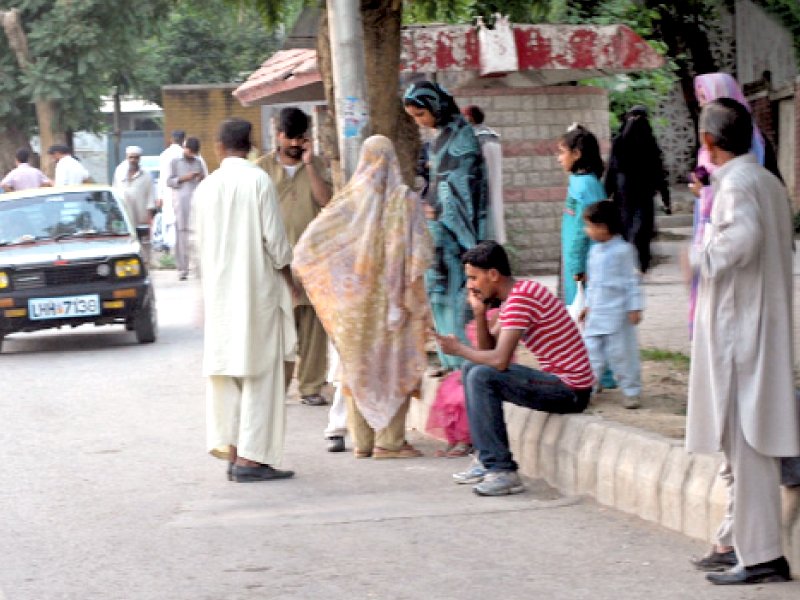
pixel 459 450
pixel 406 451
pixel 362 453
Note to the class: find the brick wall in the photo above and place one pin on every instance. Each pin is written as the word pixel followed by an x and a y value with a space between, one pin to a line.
pixel 199 109
pixel 764 116
pixel 530 122
pixel 797 142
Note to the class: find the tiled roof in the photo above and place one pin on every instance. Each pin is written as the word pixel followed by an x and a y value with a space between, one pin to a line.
pixel 284 71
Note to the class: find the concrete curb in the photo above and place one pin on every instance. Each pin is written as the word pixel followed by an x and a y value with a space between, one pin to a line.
pixel 632 470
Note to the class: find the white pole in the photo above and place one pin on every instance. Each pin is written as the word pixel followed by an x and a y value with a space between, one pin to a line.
pixel 349 80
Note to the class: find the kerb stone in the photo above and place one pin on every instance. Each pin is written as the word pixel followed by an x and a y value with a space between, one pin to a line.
pixel 674 475
pixel 531 437
pixel 615 440
pixel 548 449
pixel 696 515
pixel 567 452
pixel 516 419
pixel 588 458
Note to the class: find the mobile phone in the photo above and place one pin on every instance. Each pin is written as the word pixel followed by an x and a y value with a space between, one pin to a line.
pixel 702 175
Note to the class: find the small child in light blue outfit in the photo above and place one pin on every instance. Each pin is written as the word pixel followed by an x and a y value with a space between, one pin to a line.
pixel 613 301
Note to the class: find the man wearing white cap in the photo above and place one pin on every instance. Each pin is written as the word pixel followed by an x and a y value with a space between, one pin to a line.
pixel 136 188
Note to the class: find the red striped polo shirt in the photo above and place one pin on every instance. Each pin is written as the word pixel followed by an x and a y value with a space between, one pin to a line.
pixel 549 332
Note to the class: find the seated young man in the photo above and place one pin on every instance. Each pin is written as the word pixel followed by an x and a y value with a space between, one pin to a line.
pixel 531 313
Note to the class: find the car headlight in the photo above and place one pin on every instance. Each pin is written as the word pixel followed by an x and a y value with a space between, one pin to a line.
pixel 128 268
pixel 4 280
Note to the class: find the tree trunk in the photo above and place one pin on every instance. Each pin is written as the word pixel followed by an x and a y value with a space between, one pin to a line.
pixel 327 133
pixel 11 139
pixel 382 21
pixel 46 110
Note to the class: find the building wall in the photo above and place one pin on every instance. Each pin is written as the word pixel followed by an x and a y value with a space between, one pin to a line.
pixel 530 122
pixel 774 112
pixel 787 146
pixel 199 109
pixel 795 152
pixel 754 54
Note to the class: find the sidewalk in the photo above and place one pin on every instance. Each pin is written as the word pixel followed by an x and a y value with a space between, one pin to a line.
pixel 633 470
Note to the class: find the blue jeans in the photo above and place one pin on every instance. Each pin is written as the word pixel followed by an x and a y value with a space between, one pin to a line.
pixel 486 388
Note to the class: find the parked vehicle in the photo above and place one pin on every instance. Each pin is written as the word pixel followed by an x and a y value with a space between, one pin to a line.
pixel 71 256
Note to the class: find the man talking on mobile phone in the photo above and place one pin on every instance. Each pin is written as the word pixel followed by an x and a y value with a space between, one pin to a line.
pixel 303 190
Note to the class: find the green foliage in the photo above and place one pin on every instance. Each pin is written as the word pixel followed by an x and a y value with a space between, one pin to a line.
pixel 465 11
pixel 166 262
pixel 217 41
pixel 78 50
pixel 272 13
pixel 82 50
pixel 647 88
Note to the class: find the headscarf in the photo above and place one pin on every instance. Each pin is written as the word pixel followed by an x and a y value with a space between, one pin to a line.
pixel 362 262
pixel 713 86
pixel 434 98
pixel 707 88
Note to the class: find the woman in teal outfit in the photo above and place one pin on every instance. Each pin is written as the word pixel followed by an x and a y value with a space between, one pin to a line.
pixel 456 205
pixel 579 155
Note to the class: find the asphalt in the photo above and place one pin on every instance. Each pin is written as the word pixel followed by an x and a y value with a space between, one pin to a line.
pixel 106 492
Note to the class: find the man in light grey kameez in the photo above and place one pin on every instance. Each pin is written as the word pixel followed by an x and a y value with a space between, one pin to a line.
pixel 249 325
pixel 184 176
pixel 741 392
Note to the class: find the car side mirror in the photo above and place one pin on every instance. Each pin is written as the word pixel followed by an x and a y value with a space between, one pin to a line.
pixel 143 232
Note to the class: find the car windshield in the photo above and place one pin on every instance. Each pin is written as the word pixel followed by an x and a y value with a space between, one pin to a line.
pixel 56 216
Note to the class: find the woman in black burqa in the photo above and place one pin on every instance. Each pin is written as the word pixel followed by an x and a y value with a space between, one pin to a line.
pixel 635 173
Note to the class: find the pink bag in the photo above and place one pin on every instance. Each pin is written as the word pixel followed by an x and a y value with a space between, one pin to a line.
pixel 448 417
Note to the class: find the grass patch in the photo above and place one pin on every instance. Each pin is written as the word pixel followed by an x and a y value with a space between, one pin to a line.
pixel 678 359
pixel 166 261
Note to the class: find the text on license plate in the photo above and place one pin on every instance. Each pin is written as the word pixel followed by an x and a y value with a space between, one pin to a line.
pixel 63 307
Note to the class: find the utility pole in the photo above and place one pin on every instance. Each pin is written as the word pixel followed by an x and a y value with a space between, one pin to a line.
pixel 117 150
pixel 349 80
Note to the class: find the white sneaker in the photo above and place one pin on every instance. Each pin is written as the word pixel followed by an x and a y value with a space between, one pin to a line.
pixel 632 402
pixel 499 483
pixel 474 473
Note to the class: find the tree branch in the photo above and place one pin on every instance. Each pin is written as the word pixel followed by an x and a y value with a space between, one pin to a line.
pixel 17 40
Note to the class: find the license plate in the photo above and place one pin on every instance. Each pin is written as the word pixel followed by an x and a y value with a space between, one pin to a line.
pixel 63 307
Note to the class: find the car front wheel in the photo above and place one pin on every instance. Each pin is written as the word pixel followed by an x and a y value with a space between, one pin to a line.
pixel 145 324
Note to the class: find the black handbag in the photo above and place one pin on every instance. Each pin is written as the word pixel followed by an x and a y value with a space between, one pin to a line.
pixel 790 471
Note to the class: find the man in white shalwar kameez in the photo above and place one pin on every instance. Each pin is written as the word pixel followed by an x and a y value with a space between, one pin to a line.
pixel 741 392
pixel 244 261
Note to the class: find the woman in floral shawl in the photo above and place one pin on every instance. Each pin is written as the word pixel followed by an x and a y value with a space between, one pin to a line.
pixel 456 201
pixel 362 262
